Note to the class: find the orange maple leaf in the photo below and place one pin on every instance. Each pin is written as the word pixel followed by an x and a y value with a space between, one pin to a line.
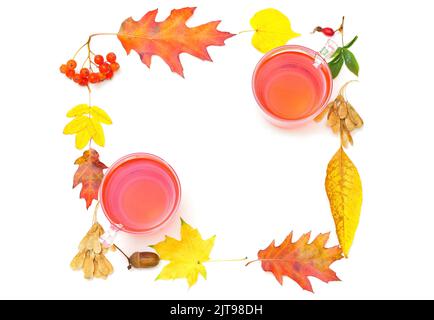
pixel 89 174
pixel 169 38
pixel 300 259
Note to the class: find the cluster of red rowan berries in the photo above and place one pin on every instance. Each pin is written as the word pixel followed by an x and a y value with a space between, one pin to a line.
pixel 106 69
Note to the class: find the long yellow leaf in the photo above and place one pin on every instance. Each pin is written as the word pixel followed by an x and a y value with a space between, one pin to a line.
pixel 344 190
pixel 78 110
pixel 97 132
pixel 82 139
pixel 100 115
pixel 76 125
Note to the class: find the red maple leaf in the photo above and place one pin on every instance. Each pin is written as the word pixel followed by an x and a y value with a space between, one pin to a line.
pixel 89 174
pixel 169 38
pixel 301 259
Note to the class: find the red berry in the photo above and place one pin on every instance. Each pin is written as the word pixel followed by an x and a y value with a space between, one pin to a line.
pixel 104 68
pixel 99 59
pixel 76 78
pixel 84 72
pixel 329 32
pixel 109 75
pixel 71 64
pixel 70 73
pixel 83 82
pixel 63 68
pixel 111 57
pixel 101 76
pixel 93 78
pixel 114 66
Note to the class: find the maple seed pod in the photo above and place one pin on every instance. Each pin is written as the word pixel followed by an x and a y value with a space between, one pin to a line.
pixel 144 260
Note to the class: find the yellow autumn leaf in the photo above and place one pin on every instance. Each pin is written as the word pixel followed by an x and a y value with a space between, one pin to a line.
pixel 186 256
pixel 97 133
pixel 344 190
pixel 76 125
pixel 82 139
pixel 272 30
pixel 100 115
pixel 86 125
pixel 78 110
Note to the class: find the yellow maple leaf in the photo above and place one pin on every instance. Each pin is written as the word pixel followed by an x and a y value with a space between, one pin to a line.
pixel 186 256
pixel 86 125
pixel 272 30
pixel 344 190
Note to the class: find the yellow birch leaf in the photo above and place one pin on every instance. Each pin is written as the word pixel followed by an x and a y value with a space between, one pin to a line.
pixel 100 115
pixel 272 30
pixel 186 256
pixel 82 138
pixel 78 110
pixel 76 125
pixel 97 132
pixel 344 190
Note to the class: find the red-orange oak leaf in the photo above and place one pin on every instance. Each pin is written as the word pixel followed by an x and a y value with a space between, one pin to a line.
pixel 301 259
pixel 169 38
pixel 89 174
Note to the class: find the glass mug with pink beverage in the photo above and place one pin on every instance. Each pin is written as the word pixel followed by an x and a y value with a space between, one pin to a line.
pixel 293 84
pixel 139 194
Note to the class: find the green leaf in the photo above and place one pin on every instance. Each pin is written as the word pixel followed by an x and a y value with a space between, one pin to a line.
pixel 337 53
pixel 348 45
pixel 336 66
pixel 351 61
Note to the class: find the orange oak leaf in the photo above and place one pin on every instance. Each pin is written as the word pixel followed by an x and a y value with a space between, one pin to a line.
pixel 301 259
pixel 169 38
pixel 89 174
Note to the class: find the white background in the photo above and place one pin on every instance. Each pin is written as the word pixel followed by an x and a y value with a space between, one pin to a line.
pixel 243 179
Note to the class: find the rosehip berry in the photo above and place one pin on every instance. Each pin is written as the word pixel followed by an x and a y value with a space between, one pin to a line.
pixel 84 72
pixel 104 68
pixel 114 66
pixel 99 59
pixel 71 64
pixel 111 57
pixel 329 32
pixel 76 78
pixel 63 68
pixel 70 73
pixel 93 78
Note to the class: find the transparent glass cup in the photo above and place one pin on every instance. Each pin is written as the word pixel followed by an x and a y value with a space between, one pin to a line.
pixel 139 194
pixel 292 84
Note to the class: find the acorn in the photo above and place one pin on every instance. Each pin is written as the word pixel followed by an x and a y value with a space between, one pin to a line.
pixel 141 260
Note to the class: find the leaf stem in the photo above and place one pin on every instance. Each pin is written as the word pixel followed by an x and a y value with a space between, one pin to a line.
pixel 228 260
pixel 95 213
pixel 341 30
pixel 245 31
pixel 250 262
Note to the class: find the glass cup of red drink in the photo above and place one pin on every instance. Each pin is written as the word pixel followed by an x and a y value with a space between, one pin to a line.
pixel 139 193
pixel 292 85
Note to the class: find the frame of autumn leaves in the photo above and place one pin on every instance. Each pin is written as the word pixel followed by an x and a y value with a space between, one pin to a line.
pixel 188 255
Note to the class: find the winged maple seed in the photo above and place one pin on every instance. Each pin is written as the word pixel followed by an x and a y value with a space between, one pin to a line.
pixel 89 174
pixel 342 117
pixel 171 37
pixel 301 259
pixel 91 255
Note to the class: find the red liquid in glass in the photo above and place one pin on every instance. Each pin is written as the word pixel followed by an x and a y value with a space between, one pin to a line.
pixel 288 86
pixel 140 193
